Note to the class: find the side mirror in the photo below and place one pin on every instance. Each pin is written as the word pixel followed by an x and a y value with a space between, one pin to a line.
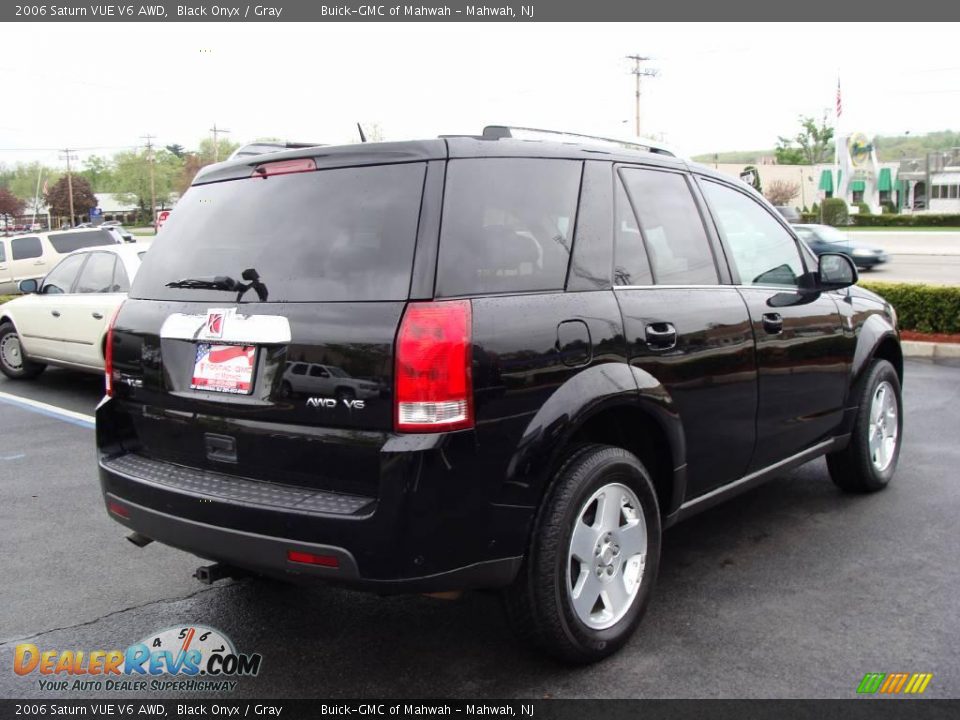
pixel 28 286
pixel 836 271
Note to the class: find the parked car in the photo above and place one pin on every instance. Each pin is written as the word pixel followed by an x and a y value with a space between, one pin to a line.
pixel 827 239
pixel 790 214
pixel 31 256
pixel 302 378
pixel 62 320
pixel 580 344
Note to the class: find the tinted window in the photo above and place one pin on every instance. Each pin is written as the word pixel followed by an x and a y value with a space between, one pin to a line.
pixel 121 282
pixel 25 248
pixel 763 252
pixel 673 232
pixel 61 278
pixel 631 265
pixel 507 225
pixel 97 275
pixel 344 234
pixel 65 243
pixel 3 253
pixel 299 369
pixel 317 371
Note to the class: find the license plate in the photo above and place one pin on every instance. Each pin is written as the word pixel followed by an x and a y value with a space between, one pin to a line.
pixel 224 368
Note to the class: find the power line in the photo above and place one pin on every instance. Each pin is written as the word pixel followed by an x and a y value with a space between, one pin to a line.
pixel 68 156
pixel 216 142
pixel 641 72
pixel 153 187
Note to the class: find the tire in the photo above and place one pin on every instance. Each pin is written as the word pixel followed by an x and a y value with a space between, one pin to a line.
pixel 13 363
pixel 540 604
pixel 345 393
pixel 862 467
pixel 286 390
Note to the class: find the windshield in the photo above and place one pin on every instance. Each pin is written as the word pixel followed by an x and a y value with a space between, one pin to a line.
pixel 67 242
pixel 327 235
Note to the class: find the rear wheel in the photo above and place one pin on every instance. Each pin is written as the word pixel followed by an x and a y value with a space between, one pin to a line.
pixel 868 463
pixel 13 362
pixel 592 562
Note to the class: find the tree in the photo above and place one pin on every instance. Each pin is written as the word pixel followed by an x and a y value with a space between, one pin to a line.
pixel 223 150
pixel 132 176
pixel 99 171
pixel 781 192
pixel 58 196
pixel 10 204
pixel 176 149
pixel 22 179
pixel 815 144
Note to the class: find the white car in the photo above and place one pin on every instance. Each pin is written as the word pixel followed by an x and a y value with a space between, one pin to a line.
pixel 30 256
pixel 62 320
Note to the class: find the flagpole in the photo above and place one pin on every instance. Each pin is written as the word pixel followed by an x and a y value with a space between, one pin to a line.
pixel 836 140
pixel 36 197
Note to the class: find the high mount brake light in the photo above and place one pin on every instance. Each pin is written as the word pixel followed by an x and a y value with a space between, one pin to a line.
pixel 108 353
pixel 434 388
pixel 284 167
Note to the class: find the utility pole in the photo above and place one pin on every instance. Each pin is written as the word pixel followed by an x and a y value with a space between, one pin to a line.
pixel 641 72
pixel 153 186
pixel 68 157
pixel 216 142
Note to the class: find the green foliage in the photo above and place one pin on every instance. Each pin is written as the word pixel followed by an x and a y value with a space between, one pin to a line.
pixel 21 180
pixel 896 147
pixel 923 308
pixel 835 212
pixel 814 144
pixel 735 157
pixel 132 176
pixel 889 208
pixel 863 208
pixel 99 171
pixel 919 220
pixel 223 150
pixel 810 217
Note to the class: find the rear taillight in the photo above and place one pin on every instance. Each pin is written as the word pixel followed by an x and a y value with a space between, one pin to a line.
pixel 108 353
pixel 284 167
pixel 434 387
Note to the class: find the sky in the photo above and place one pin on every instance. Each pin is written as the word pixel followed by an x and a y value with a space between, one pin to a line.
pixel 720 86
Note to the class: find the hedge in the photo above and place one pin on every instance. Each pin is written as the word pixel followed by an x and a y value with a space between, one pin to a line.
pixel 835 212
pixel 923 308
pixel 918 220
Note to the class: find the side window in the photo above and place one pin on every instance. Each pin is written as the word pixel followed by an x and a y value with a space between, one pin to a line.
pixel 3 251
pixel 673 233
pixel 61 278
pixel 318 371
pixel 25 248
pixel 299 369
pixel 631 265
pixel 507 225
pixel 97 275
pixel 121 281
pixel 763 252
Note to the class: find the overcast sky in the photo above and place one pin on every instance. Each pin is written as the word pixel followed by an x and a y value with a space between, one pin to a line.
pixel 721 86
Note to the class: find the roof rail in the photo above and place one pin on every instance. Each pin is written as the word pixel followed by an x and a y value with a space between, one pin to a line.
pixel 497 132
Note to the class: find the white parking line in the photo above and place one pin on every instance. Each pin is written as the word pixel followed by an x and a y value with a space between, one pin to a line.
pixel 87 421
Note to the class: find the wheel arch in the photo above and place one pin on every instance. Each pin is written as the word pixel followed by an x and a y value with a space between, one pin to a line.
pixel 599 405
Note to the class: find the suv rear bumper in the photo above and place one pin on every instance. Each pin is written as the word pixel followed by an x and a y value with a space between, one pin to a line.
pixel 422 534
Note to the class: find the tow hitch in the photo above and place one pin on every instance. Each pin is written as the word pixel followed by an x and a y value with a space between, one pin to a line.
pixel 209 574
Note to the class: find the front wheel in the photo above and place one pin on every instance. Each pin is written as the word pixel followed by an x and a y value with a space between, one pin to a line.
pixel 593 558
pixel 868 463
pixel 13 362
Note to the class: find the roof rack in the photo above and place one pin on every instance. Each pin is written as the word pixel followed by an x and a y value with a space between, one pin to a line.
pixel 497 132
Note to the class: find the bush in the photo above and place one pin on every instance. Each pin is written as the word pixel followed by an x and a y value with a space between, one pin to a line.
pixel 835 212
pixel 810 217
pixel 889 208
pixel 907 220
pixel 864 208
pixel 923 308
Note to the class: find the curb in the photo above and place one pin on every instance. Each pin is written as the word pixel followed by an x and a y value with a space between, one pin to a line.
pixel 917 349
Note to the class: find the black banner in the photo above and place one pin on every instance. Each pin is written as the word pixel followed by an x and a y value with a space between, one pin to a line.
pixel 540 709
pixel 457 11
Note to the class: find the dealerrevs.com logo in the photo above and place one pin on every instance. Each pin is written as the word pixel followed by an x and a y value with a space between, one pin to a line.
pixel 185 658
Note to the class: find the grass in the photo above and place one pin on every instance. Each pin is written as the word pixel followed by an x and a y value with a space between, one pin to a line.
pixel 907 229
pixel 4 298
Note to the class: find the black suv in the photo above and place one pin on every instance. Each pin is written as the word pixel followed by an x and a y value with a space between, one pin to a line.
pixel 547 352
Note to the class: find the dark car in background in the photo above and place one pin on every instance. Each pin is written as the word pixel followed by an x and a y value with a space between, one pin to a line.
pixel 565 347
pixel 789 213
pixel 827 239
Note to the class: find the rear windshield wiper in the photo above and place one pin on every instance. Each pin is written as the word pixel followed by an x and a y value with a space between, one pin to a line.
pixel 218 282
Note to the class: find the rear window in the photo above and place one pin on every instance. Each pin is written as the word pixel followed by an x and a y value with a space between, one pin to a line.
pixel 327 235
pixel 65 243
pixel 507 225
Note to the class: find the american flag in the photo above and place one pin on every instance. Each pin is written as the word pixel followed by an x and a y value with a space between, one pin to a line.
pixel 839 104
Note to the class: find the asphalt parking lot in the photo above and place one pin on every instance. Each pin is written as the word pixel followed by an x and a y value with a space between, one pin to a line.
pixel 791 590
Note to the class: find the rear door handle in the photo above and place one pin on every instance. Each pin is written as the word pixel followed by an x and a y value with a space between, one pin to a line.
pixel 97 316
pixel 661 336
pixel 40 262
pixel 773 323
pixel 55 313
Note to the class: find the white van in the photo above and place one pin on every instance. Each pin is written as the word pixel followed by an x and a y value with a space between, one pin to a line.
pixel 32 255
